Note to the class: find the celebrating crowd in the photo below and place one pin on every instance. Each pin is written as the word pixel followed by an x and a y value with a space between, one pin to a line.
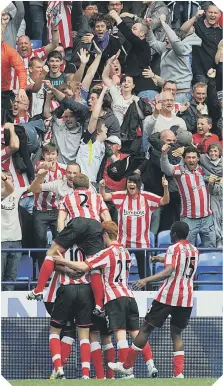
pixel 111 128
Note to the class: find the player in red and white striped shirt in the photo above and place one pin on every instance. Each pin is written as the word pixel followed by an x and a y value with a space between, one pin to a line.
pixel 174 298
pixel 194 193
pixel 26 52
pixel 120 305
pixel 135 209
pixel 84 229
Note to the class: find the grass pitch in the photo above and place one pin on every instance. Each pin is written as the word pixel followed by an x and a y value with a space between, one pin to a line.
pixel 129 382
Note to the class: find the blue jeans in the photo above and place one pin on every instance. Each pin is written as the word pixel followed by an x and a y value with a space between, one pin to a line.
pixel 10 263
pixel 27 203
pixel 204 227
pixel 148 94
pixel 183 97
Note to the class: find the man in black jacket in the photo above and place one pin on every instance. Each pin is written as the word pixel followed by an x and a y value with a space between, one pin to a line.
pixel 140 54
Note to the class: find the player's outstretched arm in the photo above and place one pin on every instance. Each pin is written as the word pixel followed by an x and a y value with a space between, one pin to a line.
pixel 157 277
pixel 77 265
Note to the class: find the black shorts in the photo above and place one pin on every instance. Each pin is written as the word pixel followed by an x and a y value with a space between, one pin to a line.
pixel 100 325
pixel 85 232
pixel 159 312
pixel 70 327
pixel 123 314
pixel 73 301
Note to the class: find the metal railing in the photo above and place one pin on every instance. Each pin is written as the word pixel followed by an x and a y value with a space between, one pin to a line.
pixel 147 254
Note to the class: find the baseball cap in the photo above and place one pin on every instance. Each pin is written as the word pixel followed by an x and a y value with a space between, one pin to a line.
pixel 184 138
pixel 114 139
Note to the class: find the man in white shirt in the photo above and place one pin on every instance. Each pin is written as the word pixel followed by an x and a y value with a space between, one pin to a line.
pixel 11 233
pixel 163 116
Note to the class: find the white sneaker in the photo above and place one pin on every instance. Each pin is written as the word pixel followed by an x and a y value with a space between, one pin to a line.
pixel 123 377
pixel 152 371
pixel 85 377
pixel 60 373
pixel 180 376
pixel 118 367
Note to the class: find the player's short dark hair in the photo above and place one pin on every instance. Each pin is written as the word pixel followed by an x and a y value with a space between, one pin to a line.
pixel 49 147
pixel 135 177
pixel 180 230
pixel 54 54
pixel 191 149
pixel 111 228
pixel 81 181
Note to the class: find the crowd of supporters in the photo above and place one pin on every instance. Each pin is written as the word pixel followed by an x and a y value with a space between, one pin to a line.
pixel 110 89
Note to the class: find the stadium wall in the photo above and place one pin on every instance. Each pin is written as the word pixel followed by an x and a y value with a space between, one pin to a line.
pixel 25 337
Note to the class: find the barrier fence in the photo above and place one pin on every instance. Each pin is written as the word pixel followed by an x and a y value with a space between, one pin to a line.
pixel 25 350
pixel 149 268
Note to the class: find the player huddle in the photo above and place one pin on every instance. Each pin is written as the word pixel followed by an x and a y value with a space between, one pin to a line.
pixel 91 290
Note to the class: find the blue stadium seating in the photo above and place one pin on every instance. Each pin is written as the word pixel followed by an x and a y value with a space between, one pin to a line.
pixel 163 239
pixel 25 270
pixel 210 269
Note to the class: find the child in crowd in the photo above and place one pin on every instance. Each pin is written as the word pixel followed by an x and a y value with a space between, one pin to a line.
pixel 203 138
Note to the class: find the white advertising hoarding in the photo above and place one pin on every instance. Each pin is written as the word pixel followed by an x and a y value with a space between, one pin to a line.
pixel 15 304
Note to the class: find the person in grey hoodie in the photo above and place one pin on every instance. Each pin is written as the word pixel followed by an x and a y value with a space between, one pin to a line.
pixel 175 59
pixel 16 14
pixel 211 164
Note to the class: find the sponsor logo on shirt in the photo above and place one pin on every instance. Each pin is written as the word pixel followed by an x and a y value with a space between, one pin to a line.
pixel 136 213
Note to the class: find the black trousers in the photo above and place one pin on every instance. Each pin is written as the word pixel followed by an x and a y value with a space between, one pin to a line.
pixel 42 221
pixel 143 266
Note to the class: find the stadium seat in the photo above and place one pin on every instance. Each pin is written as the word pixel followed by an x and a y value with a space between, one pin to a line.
pixel 163 240
pixel 209 269
pixel 25 270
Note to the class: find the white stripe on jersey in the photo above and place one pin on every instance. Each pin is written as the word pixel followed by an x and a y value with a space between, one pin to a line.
pixel 177 290
pixel 115 263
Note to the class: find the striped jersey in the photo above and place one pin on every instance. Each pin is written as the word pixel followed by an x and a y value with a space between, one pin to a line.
pixel 63 9
pixel 39 53
pixel 177 290
pixel 59 279
pixel 195 197
pixel 83 203
pixel 77 254
pixel 49 200
pixel 115 263
pixel 134 216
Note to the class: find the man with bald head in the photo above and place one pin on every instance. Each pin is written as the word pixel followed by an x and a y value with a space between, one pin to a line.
pixel 26 52
pixel 163 116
